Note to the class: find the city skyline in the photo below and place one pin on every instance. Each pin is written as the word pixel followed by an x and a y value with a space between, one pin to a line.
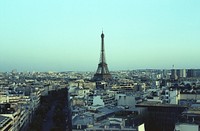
pixel 65 35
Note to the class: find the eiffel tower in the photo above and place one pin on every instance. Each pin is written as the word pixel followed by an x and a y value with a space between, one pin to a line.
pixel 102 73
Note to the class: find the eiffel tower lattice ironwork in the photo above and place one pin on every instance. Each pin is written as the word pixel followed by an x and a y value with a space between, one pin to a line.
pixel 102 73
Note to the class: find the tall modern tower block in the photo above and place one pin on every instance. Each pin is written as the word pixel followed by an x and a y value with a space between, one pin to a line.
pixel 102 73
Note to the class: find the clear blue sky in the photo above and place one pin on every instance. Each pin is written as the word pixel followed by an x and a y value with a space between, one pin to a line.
pixel 63 35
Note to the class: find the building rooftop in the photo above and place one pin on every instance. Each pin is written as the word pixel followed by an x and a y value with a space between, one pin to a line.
pixel 157 104
pixel 4 120
pixel 88 117
pixel 82 120
pixel 193 110
pixel 106 111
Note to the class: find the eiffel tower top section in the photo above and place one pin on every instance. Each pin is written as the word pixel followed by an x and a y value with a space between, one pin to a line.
pixel 102 73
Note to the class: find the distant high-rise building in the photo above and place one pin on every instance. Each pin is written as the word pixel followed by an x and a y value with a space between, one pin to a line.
pixel 102 73
pixel 190 73
pixel 173 74
pixel 193 73
pixel 181 73
pixel 196 72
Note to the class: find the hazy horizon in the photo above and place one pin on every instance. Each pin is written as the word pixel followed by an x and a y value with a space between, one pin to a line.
pixel 65 35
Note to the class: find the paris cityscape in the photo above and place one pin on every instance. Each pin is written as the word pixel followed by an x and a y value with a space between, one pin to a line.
pixel 135 100
pixel 99 66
